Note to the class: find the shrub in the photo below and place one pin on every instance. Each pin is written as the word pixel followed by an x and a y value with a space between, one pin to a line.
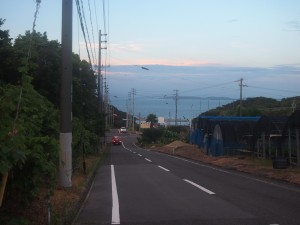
pixel 30 151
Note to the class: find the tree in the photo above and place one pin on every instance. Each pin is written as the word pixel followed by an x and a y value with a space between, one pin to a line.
pixel 152 118
pixel 8 69
pixel 30 151
pixel 44 64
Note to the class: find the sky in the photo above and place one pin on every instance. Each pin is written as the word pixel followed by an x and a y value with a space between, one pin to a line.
pixel 198 47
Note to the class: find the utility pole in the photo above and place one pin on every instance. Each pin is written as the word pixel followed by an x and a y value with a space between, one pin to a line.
pixel 139 121
pixel 241 93
pixel 65 156
pixel 129 110
pixel 100 77
pixel 133 91
pixel 294 105
pixel 176 106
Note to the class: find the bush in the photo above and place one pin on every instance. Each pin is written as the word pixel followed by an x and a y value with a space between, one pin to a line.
pixel 84 142
pixel 151 136
pixel 169 136
pixel 158 136
pixel 30 151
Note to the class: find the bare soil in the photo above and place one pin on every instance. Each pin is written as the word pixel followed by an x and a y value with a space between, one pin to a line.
pixel 249 165
pixel 66 201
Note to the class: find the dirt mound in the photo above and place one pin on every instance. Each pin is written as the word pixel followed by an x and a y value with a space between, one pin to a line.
pixel 177 144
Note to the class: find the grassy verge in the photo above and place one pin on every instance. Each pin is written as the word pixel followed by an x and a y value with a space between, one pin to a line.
pixel 66 202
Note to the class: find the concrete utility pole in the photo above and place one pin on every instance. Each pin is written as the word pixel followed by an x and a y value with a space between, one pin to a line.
pixel 129 110
pixel 65 157
pixel 100 77
pixel 176 106
pixel 133 91
pixel 241 93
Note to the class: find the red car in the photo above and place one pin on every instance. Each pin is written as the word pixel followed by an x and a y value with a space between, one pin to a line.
pixel 116 140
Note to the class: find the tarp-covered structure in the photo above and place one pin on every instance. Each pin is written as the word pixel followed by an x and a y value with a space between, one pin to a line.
pixel 291 138
pixel 264 136
pixel 268 136
pixel 224 135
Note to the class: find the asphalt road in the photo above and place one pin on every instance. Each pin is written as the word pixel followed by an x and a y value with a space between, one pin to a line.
pixel 136 186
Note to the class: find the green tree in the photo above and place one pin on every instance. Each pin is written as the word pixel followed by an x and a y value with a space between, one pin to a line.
pixel 43 65
pixel 30 151
pixel 8 69
pixel 152 118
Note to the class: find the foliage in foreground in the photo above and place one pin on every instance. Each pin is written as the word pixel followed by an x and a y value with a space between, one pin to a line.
pixel 29 145
pixel 30 151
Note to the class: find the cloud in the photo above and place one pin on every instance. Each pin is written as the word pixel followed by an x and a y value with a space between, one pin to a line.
pixel 161 61
pixel 133 47
pixel 234 20
pixel 206 80
pixel 293 25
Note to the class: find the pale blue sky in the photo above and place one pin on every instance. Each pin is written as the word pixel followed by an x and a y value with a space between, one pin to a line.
pixel 219 41
pixel 177 32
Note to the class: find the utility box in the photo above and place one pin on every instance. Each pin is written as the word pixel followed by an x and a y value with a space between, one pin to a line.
pixel 280 163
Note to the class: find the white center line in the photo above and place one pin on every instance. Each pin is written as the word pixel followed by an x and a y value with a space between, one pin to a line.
pixel 115 216
pixel 200 187
pixel 148 160
pixel 165 169
pixel 139 155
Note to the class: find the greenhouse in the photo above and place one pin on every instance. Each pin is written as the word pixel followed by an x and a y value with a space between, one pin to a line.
pixel 264 137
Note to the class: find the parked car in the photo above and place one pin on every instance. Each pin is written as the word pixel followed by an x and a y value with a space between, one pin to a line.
pixel 116 140
pixel 123 130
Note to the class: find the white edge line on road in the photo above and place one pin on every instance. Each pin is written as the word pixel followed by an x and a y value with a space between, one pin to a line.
pixel 236 174
pixel 125 147
pixel 200 187
pixel 140 147
pixel 115 215
pixel 148 160
pixel 163 168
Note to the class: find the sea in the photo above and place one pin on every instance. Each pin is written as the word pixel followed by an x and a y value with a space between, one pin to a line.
pixel 166 108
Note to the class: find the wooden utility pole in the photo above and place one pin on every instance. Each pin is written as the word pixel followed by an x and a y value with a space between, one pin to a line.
pixel 65 157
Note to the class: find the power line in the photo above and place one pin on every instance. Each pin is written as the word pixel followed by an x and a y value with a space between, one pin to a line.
pixel 95 8
pixel 273 89
pixel 87 30
pixel 94 43
pixel 83 31
pixel 104 17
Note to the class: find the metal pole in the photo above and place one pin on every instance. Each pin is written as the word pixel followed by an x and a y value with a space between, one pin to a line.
pixel 100 106
pixel 65 158
pixel 241 95
pixel 176 104
pixel 133 93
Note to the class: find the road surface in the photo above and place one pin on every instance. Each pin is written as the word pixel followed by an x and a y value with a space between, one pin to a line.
pixel 140 187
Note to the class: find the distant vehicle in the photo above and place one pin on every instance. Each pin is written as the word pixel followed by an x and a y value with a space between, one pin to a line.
pixel 123 130
pixel 116 140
